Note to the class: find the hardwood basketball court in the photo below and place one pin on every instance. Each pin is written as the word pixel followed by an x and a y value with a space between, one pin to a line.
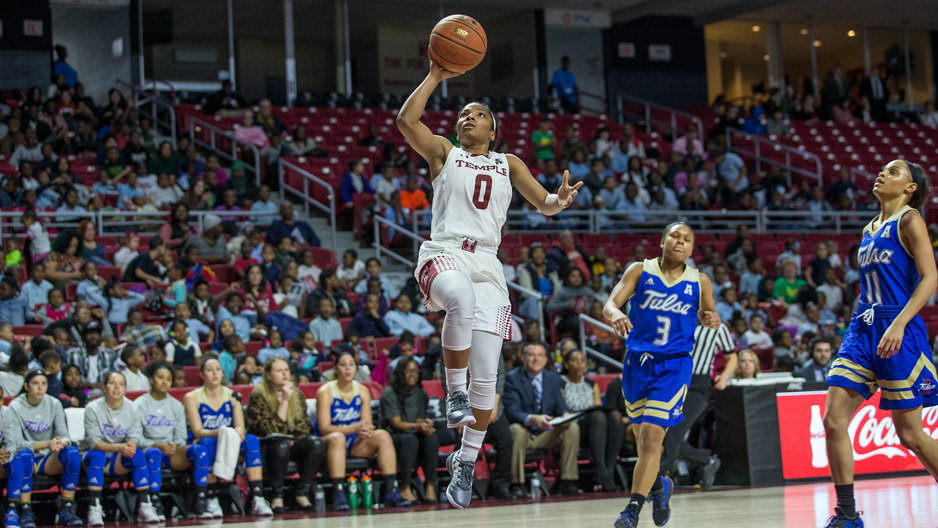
pixel 892 502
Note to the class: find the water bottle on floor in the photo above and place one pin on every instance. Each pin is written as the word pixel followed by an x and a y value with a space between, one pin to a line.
pixel 352 493
pixel 536 489
pixel 368 499
pixel 319 498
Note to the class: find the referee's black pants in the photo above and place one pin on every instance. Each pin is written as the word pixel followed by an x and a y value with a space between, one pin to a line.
pixel 675 442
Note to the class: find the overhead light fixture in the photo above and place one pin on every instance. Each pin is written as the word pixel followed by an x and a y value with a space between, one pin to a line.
pixel 851 33
pixel 817 43
pixel 765 57
pixel 804 31
pixel 756 29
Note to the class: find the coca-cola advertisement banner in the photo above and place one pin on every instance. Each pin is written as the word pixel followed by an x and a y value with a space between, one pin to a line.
pixel 876 447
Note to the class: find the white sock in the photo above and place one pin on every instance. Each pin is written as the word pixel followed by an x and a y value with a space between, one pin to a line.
pixel 471 444
pixel 456 379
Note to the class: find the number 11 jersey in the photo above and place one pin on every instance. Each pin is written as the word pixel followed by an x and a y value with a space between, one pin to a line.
pixel 887 269
pixel 471 197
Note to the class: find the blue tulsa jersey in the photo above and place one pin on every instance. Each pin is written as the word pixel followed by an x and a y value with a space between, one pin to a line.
pixel 888 274
pixel 663 314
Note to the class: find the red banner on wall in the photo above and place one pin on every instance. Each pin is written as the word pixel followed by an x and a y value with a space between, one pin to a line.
pixel 876 447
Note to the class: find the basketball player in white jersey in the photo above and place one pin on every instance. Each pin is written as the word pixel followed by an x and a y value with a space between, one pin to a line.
pixel 457 269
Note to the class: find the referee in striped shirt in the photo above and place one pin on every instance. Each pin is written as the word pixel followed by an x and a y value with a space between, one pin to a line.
pixel 707 342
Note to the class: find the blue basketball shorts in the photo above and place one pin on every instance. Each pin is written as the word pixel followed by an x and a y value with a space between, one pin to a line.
pixel 907 379
pixel 655 387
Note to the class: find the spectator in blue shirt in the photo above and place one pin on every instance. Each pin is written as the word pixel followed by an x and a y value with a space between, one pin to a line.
pixel 731 168
pixel 274 348
pixel 354 182
pixel 13 307
pixel 234 302
pixel 401 319
pixel 368 322
pixel 373 268
pixel 301 232
pixel 263 205
pixel 60 67
pixel 62 214
pixel 632 205
pixel 120 301
pixel 37 289
pixel 90 288
pixel 127 191
pixel 564 82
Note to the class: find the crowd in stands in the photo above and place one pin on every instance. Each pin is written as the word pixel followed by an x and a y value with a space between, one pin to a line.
pixel 873 98
pixel 246 300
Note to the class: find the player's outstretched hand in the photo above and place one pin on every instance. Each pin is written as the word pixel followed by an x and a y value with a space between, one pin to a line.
pixel 710 319
pixel 440 74
pixel 621 324
pixel 567 193
pixel 891 341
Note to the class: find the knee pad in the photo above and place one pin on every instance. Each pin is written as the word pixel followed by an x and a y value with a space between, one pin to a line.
pixel 155 467
pixel 14 469
pixel 453 291
pixel 154 458
pixel 198 456
pixel 141 475
pixel 71 459
pixel 251 450
pixel 27 462
pixel 483 369
pixel 210 444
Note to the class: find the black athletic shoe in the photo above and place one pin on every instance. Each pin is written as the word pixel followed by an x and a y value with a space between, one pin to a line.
pixel 661 502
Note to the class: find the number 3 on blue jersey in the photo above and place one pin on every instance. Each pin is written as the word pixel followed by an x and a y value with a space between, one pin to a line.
pixel 664 329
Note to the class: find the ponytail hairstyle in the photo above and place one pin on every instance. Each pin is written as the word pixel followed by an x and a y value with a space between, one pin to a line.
pixel 155 366
pixel 921 194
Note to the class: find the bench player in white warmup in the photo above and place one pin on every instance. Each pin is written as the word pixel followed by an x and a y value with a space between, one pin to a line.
pixel 457 269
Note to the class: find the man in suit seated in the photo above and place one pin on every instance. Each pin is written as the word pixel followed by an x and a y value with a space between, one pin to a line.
pixel 820 364
pixel 532 399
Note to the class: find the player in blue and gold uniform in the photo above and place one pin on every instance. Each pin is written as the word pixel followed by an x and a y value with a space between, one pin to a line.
pixel 668 298
pixel 886 345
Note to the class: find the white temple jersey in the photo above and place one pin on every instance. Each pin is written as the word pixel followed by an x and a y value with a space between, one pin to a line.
pixel 471 196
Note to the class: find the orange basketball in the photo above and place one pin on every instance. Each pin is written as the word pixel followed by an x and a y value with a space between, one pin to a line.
pixel 458 43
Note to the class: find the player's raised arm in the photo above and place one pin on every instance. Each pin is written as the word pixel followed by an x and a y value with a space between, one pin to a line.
pixel 433 148
pixel 707 315
pixel 620 295
pixel 534 192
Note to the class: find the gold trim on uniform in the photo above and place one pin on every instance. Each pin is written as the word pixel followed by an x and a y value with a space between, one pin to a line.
pixel 923 363
pixel 653 267
pixel 655 408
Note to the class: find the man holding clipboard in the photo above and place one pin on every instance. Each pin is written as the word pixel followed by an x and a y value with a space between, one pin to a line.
pixel 532 399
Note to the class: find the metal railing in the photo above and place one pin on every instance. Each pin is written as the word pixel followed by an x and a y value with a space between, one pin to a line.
pixel 115 222
pixel 196 125
pixel 585 109
pixel 854 172
pixel 596 221
pixel 539 297
pixel 762 144
pixel 380 221
pixel 160 110
pixel 583 319
pixel 670 126
pixel 305 194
